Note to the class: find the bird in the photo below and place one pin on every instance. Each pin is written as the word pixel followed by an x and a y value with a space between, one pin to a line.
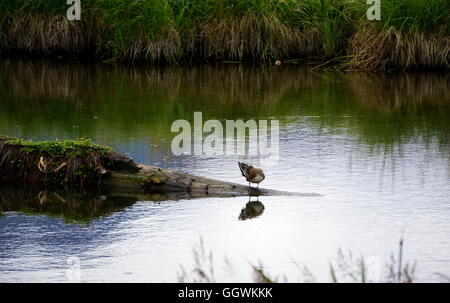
pixel 251 174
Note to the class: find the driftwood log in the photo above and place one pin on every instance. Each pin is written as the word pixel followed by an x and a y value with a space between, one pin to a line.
pixel 87 164
pixel 156 179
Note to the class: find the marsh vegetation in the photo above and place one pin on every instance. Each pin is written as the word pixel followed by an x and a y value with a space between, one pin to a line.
pixel 412 34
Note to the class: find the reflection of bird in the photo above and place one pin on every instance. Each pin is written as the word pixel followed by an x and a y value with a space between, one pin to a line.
pixel 252 174
pixel 251 210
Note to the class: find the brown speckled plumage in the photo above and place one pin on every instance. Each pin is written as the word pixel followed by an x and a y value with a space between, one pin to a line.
pixel 251 174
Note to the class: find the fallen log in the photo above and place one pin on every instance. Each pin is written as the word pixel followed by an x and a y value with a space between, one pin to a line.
pixel 157 179
pixel 83 163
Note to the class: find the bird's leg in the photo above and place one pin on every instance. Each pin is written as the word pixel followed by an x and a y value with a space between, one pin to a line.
pixel 257 186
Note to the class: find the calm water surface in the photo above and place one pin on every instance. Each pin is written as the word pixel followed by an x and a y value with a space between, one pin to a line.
pixel 376 147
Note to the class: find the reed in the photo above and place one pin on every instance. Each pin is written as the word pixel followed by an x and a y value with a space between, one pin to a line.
pixel 346 268
pixel 375 49
pixel 411 34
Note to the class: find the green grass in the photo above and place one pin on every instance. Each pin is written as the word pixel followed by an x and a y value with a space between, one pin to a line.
pixel 416 16
pixel 175 31
pixel 65 148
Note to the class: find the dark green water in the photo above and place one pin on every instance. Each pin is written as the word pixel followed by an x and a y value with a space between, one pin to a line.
pixel 376 146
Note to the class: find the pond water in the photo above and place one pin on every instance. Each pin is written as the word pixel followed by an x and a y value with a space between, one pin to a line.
pixel 375 146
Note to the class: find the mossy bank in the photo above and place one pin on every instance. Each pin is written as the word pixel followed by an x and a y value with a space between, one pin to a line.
pixel 75 162
pixel 411 35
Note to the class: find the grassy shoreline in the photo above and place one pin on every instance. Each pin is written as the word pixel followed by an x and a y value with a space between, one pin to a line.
pixel 412 35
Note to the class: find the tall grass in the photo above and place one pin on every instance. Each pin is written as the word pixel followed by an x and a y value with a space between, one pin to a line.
pixel 417 15
pixel 175 31
pixel 346 268
pixel 414 34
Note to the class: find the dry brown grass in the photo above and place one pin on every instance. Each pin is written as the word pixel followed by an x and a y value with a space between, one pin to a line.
pixel 374 49
pixel 39 34
pixel 43 35
pixel 238 38
pixel 167 49
pixel 251 38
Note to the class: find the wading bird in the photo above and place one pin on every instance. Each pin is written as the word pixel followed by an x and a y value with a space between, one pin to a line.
pixel 251 174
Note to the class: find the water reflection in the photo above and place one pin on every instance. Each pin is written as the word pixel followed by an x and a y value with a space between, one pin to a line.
pixel 122 104
pixel 252 209
pixel 69 204
pixel 76 206
pixel 375 146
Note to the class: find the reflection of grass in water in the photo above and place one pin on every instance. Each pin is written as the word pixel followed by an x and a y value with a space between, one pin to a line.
pixel 71 205
pixel 397 109
pixel 346 268
pixel 381 109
